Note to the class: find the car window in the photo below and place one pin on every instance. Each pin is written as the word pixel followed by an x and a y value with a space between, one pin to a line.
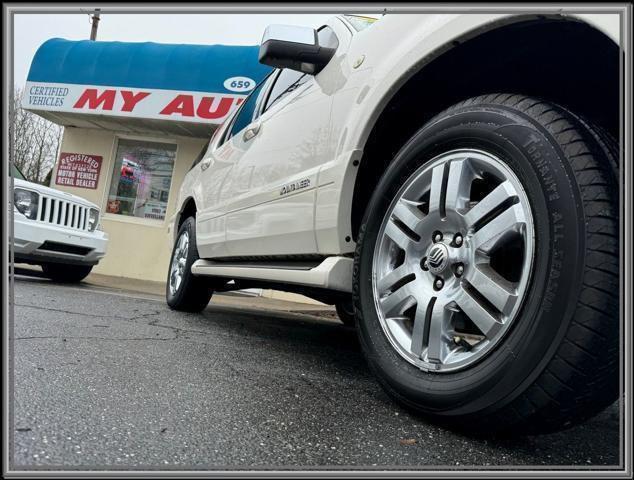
pixel 226 129
pixel 290 80
pixel 360 22
pixel 201 154
pixel 286 82
pixel 247 111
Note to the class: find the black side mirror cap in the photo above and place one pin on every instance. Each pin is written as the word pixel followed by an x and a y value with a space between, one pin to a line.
pixel 296 48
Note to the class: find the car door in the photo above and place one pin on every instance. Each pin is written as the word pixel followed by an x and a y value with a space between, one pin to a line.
pixel 270 193
pixel 215 183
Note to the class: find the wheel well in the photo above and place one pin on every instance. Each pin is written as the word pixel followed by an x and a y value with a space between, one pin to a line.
pixel 562 61
pixel 189 210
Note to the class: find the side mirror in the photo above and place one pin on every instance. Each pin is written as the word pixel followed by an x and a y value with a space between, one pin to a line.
pixel 297 48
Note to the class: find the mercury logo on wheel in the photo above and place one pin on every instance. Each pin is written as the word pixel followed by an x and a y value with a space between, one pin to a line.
pixel 437 258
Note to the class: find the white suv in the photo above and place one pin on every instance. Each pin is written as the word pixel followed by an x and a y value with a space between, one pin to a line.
pixel 450 183
pixel 56 230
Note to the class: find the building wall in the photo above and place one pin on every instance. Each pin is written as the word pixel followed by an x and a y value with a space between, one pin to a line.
pixel 138 248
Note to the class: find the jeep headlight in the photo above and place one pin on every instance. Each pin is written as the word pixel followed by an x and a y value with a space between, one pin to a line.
pixel 26 202
pixel 93 218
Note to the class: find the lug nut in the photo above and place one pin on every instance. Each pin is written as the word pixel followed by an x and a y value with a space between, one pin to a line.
pixel 437 237
pixel 459 270
pixel 423 264
pixel 457 240
pixel 438 284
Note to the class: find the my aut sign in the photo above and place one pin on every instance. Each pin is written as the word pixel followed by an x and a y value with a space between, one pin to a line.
pixel 198 107
pixel 94 99
pixel 182 105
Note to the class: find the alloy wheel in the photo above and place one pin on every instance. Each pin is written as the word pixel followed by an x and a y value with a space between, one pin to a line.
pixel 179 260
pixel 453 260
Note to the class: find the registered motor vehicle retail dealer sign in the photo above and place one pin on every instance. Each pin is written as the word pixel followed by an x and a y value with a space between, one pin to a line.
pixel 78 170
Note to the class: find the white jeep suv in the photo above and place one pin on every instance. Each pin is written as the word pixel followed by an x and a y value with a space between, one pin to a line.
pixel 450 182
pixel 56 230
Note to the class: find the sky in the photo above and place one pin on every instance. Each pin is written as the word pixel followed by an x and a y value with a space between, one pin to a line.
pixel 31 30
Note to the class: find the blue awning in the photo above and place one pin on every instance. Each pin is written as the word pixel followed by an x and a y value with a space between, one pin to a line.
pixel 195 68
pixel 140 87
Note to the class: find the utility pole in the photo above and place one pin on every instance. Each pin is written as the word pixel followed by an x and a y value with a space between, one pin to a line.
pixel 95 24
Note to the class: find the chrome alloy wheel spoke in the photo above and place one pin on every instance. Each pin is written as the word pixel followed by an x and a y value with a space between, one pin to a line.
pixel 453 259
pixel 177 267
pixel 428 335
pixel 508 221
pixel 498 291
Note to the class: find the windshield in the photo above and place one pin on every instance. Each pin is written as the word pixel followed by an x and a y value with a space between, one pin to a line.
pixel 360 22
pixel 16 173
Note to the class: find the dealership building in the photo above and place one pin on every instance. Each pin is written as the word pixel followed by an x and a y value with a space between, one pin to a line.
pixel 136 116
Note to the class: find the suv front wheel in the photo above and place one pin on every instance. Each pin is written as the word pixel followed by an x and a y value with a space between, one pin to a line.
pixel 486 279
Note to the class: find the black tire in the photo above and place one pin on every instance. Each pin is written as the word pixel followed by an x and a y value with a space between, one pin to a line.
pixel 193 293
pixel 64 273
pixel 345 311
pixel 559 362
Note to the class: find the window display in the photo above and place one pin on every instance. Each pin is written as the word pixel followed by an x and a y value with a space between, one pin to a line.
pixel 141 179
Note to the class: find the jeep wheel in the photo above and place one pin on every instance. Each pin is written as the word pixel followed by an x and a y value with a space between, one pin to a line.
pixel 184 291
pixel 487 269
pixel 64 273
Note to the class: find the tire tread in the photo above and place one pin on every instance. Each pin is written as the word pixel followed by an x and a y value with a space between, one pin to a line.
pixel 585 385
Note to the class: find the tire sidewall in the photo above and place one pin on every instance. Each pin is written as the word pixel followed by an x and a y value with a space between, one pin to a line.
pixel 65 273
pixel 537 160
pixel 345 311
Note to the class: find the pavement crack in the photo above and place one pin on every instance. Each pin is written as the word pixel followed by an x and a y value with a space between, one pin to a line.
pixel 70 312
pixel 123 339
pixel 178 332
pixel 95 315
pixel 145 315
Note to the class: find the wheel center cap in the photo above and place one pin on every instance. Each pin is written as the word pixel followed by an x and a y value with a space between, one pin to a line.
pixel 438 258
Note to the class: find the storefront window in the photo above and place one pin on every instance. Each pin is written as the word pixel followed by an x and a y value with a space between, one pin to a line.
pixel 141 179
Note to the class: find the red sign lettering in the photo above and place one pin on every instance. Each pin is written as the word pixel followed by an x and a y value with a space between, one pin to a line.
pixel 182 104
pixel 90 96
pixel 130 99
pixel 204 108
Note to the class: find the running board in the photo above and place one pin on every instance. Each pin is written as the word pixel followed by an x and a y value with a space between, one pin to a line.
pixel 334 273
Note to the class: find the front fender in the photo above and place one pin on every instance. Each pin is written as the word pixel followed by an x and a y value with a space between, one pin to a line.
pixel 380 60
pixel 393 56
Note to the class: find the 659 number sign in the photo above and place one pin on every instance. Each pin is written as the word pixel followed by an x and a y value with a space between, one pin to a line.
pixel 239 84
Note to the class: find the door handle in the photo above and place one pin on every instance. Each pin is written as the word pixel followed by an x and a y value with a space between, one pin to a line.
pixel 251 131
pixel 204 165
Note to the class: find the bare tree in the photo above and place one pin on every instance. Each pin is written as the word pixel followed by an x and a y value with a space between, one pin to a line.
pixel 36 141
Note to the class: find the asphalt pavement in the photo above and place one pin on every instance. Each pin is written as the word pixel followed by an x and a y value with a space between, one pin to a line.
pixel 108 379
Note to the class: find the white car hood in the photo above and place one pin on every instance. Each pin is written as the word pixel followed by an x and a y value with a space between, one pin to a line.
pixel 51 192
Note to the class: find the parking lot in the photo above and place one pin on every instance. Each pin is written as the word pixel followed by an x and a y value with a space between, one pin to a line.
pixel 105 379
